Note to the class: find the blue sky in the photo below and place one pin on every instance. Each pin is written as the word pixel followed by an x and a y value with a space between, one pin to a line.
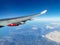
pixel 15 8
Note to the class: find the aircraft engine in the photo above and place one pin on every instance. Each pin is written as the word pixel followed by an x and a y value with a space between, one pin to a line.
pixel 13 24
pixel 16 24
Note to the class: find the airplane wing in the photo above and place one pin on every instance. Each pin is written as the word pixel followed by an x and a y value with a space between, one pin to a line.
pixel 17 20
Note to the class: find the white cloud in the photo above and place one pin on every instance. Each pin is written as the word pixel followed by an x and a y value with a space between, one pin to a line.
pixel 34 28
pixel 56 23
pixel 53 25
pixel 54 36
pixel 43 36
pixel 9 38
pixel 47 19
pixel 50 27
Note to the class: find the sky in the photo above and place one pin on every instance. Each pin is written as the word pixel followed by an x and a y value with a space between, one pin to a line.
pixel 16 8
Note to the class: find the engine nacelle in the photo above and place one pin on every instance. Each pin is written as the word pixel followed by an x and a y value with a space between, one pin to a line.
pixel 13 24
pixel 16 24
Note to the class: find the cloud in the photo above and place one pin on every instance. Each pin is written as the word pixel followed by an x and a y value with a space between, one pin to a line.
pixel 50 27
pixel 47 19
pixel 34 27
pixel 54 36
pixel 56 23
pixel 8 38
pixel 53 25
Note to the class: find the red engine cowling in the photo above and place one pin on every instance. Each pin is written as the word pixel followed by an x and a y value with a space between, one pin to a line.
pixel 12 24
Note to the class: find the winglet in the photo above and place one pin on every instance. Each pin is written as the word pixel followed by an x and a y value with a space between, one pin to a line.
pixel 43 12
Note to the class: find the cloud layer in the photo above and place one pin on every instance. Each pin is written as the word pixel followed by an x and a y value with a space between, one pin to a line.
pixel 54 36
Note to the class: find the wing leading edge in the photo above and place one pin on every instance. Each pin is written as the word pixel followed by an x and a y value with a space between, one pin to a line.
pixel 17 20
